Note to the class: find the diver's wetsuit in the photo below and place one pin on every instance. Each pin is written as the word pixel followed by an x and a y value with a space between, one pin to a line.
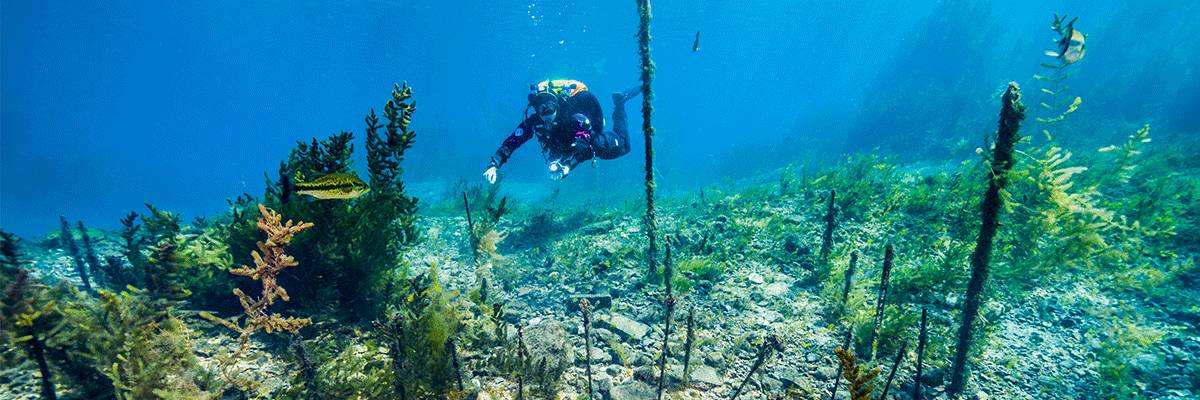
pixel 557 141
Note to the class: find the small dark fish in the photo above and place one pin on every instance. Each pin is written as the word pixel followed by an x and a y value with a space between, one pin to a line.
pixel 332 186
pixel 696 44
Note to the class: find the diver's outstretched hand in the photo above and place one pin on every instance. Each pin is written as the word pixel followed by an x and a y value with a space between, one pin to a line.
pixel 490 175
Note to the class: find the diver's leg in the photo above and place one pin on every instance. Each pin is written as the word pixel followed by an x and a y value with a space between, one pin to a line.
pixel 615 143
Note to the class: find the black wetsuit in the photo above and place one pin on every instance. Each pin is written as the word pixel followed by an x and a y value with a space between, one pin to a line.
pixel 559 142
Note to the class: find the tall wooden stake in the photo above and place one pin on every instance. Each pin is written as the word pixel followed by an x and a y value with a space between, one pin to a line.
pixel 585 308
pixel 471 231
pixel 896 364
pixel 837 378
pixel 849 281
pixel 920 354
pixel 670 311
pixel 648 132
pixel 1011 114
pixel 687 346
pixel 830 223
pixel 888 256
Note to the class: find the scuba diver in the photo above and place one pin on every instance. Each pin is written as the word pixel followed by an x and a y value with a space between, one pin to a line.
pixel 568 122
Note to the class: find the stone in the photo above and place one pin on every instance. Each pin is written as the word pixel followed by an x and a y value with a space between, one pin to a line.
pixel 632 390
pixel 715 359
pixel 603 383
pixel 546 340
pixel 706 376
pixel 603 335
pixel 825 373
pixel 776 289
pixel 790 244
pixel 624 326
pixel 788 378
pixel 755 278
pixel 933 377
pixel 599 356
pixel 599 301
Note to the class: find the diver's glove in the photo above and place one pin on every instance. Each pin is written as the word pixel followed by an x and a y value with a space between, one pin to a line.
pixel 490 174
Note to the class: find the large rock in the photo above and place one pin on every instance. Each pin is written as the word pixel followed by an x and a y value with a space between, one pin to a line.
pixel 632 390
pixel 547 339
pixel 597 301
pixel 706 376
pixel 624 326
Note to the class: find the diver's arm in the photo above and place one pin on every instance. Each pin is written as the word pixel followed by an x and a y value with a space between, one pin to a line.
pixel 514 140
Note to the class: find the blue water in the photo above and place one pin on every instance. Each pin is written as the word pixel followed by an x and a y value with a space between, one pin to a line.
pixel 108 105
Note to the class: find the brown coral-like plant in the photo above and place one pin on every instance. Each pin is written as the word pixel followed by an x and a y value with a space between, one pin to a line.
pixel 269 261
pixel 860 382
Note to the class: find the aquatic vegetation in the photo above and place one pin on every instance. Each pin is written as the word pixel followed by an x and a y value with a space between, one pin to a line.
pixel 269 261
pixel 357 370
pixel 1125 337
pixel 701 270
pixel 416 333
pixel 149 349
pixel 1092 279
pixel 830 224
pixel 647 66
pixel 352 258
pixel 858 381
pixel 67 241
pixel 26 313
pixel 881 300
pixel 484 234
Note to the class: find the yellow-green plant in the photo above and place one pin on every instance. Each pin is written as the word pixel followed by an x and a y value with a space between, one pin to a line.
pixel 416 332
pixel 269 261
pixel 860 386
pixel 142 348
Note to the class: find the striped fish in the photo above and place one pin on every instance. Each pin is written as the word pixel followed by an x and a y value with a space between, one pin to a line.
pixel 332 186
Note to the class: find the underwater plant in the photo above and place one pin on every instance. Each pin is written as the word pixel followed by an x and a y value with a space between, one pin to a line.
pixel 858 382
pixel 144 350
pixel 269 261
pixel 67 241
pixel 881 300
pixel 352 258
pixel 418 332
pixel 26 314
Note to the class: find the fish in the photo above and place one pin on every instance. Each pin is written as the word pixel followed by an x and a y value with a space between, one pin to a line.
pixel 696 44
pixel 1071 45
pixel 327 187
